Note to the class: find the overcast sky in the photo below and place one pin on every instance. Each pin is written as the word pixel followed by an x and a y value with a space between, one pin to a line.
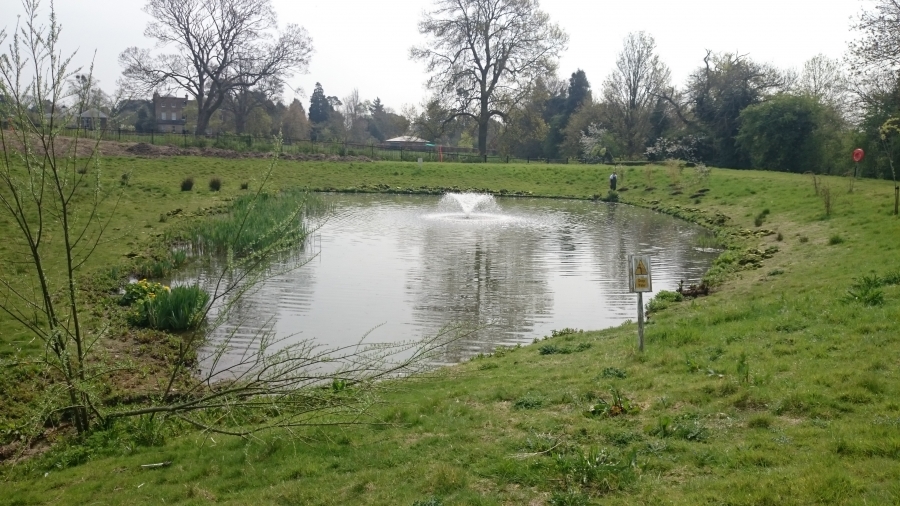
pixel 365 44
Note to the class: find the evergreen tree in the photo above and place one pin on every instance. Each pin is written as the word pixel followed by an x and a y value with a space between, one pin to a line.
pixel 579 92
pixel 377 107
pixel 319 106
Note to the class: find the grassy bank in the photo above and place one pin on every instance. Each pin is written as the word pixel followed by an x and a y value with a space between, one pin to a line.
pixel 779 388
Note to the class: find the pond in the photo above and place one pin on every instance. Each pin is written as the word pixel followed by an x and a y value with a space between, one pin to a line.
pixel 405 267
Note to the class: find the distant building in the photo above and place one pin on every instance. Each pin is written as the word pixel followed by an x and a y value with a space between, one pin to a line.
pixel 169 112
pixel 406 141
pixel 93 119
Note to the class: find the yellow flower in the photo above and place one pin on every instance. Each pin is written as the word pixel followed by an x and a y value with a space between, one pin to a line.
pixel 167 288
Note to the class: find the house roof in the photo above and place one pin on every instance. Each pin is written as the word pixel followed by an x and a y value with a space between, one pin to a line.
pixel 406 138
pixel 93 113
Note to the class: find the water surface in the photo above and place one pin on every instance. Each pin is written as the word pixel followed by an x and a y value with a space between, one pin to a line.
pixel 409 266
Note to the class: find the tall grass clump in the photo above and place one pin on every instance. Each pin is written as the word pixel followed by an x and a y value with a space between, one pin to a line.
pixel 256 223
pixel 596 471
pixel 160 307
pixel 187 184
pixel 215 184
pixel 179 308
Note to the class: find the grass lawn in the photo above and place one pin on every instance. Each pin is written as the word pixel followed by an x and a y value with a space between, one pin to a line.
pixel 778 388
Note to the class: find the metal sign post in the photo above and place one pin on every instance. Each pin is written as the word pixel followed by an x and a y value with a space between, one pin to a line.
pixel 640 281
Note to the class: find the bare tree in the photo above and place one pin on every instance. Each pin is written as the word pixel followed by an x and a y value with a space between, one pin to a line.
pixel 874 58
pixel 219 46
pixel 823 79
pixel 354 111
pixel 54 227
pixel 878 50
pixel 243 100
pixel 87 94
pixel 631 91
pixel 482 54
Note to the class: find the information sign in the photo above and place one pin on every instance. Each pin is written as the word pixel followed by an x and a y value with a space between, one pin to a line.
pixel 639 273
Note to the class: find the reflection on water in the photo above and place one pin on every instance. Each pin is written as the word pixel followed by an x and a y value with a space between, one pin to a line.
pixel 410 267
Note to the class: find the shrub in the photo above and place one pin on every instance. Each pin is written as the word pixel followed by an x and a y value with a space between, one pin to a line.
pixel 187 184
pixel 245 185
pixel 663 299
pixel 215 184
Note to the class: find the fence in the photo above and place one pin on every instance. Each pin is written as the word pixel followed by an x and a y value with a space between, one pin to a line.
pixel 377 151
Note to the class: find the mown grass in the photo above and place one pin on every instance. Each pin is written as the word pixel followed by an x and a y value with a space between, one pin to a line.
pixel 779 388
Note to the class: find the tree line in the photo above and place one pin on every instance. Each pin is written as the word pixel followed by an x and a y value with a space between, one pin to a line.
pixel 492 75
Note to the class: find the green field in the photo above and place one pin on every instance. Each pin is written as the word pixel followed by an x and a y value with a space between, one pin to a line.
pixel 781 387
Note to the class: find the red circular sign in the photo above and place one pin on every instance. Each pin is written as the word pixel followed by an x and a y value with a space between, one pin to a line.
pixel 858 155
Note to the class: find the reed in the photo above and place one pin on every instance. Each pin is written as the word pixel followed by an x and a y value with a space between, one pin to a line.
pixel 256 223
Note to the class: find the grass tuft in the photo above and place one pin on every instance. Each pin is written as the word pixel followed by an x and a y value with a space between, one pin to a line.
pixel 175 309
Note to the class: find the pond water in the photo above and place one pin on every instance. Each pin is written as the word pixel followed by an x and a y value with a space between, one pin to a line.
pixel 516 268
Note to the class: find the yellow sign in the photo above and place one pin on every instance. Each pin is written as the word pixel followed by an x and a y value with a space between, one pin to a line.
pixel 641 269
pixel 639 273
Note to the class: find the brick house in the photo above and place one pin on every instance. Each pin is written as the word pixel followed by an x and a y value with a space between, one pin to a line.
pixel 169 112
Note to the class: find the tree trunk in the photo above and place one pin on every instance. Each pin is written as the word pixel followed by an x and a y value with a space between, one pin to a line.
pixel 483 120
pixel 202 122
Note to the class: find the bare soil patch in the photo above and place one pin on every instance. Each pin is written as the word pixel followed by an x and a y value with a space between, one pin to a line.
pixel 86 148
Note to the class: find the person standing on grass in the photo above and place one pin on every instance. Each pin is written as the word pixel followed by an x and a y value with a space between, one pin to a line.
pixel 612 181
